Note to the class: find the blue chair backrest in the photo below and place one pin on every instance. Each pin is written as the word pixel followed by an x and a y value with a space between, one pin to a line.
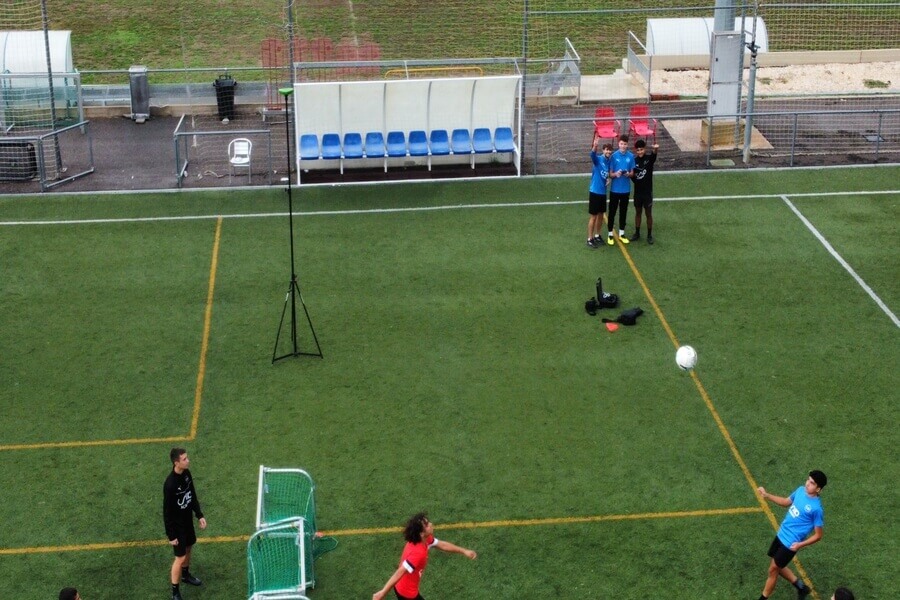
pixel 503 140
pixel 374 144
pixel 439 142
pixel 481 140
pixel 331 145
pixel 418 143
pixel 309 146
pixel 460 141
pixel 353 147
pixel 396 143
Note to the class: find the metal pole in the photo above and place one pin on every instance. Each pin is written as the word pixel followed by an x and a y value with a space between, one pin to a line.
pixel 287 137
pixel 751 88
pixel 724 16
pixel 524 95
pixel 878 135
pixel 290 28
pixel 46 24
pixel 794 138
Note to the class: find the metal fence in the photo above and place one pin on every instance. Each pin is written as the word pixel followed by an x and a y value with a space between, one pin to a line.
pixel 691 139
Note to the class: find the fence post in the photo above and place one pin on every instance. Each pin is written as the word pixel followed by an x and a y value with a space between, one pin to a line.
pixel 878 134
pixel 794 137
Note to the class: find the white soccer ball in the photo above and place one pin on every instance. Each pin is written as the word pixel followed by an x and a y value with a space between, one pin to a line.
pixel 686 358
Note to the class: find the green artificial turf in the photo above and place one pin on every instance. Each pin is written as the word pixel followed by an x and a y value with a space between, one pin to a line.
pixel 461 376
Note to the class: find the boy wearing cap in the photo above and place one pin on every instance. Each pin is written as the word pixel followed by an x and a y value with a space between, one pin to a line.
pixel 804 516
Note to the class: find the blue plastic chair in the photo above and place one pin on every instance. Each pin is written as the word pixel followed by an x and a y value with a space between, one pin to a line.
pixel 439 142
pixel 481 141
pixel 374 144
pixel 331 146
pixel 309 146
pixel 353 147
pixel 418 143
pixel 503 140
pixel 460 142
pixel 396 143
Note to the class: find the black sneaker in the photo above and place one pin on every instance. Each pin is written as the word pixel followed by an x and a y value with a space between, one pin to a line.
pixel 591 245
pixel 598 241
pixel 635 236
pixel 803 592
pixel 650 239
pixel 176 596
pixel 189 579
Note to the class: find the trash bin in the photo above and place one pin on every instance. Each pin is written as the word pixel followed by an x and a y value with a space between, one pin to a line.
pixel 140 93
pixel 225 85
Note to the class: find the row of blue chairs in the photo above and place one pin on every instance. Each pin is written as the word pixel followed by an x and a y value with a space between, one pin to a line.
pixel 438 143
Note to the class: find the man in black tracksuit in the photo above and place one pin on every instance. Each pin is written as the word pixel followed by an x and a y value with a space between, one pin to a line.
pixel 643 187
pixel 179 502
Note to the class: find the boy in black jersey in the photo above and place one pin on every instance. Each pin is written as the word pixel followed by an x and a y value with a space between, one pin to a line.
pixel 643 188
pixel 180 504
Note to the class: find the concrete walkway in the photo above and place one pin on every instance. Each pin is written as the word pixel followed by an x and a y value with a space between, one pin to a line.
pixel 618 86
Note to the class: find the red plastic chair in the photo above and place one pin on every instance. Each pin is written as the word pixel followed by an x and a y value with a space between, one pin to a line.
pixel 608 127
pixel 640 123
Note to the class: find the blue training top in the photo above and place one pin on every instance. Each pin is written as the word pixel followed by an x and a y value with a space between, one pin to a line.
pixel 600 174
pixel 802 517
pixel 621 162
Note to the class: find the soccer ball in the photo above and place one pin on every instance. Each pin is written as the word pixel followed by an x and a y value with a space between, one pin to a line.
pixel 686 358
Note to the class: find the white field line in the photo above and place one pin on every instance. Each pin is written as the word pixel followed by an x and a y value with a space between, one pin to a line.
pixel 842 262
pixel 372 211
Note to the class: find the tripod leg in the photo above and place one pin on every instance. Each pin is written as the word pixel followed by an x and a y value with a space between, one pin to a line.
pixel 309 320
pixel 280 323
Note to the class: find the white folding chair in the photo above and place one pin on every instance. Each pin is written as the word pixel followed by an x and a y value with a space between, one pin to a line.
pixel 239 150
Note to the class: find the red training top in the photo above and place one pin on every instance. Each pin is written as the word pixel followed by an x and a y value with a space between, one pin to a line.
pixel 414 560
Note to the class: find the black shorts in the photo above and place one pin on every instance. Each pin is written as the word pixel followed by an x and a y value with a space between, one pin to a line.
pixel 596 203
pixel 781 554
pixel 640 203
pixel 399 597
pixel 187 537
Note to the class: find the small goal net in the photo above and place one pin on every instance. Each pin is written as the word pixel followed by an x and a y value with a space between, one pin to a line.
pixel 285 507
pixel 276 562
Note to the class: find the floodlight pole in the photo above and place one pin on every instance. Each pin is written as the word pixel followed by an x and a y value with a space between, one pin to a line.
pixel 293 293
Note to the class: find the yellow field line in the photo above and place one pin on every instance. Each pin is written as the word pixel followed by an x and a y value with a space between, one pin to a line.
pixel 207 321
pixel 198 393
pixel 87 443
pixel 715 414
pixel 383 530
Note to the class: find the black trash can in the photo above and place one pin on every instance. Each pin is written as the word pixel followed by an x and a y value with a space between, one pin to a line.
pixel 225 85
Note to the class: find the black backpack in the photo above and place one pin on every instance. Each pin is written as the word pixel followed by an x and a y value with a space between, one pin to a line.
pixel 605 299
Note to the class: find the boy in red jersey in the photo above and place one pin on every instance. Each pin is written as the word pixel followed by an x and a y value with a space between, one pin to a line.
pixel 419 534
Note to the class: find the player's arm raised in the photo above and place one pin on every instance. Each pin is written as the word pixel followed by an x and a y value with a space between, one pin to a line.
pixel 785 502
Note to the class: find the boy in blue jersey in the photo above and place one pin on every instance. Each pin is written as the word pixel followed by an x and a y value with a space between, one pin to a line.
pixel 597 192
pixel 804 516
pixel 621 169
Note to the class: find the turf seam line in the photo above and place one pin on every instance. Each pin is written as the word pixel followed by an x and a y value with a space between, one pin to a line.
pixel 368 211
pixel 842 262
pixel 715 512
pixel 723 430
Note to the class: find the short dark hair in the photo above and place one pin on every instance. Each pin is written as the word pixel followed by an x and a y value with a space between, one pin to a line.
pixel 68 593
pixel 640 144
pixel 414 527
pixel 843 593
pixel 623 138
pixel 819 477
pixel 607 146
pixel 175 454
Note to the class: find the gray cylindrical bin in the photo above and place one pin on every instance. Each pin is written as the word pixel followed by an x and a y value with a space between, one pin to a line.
pixel 225 85
pixel 140 93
